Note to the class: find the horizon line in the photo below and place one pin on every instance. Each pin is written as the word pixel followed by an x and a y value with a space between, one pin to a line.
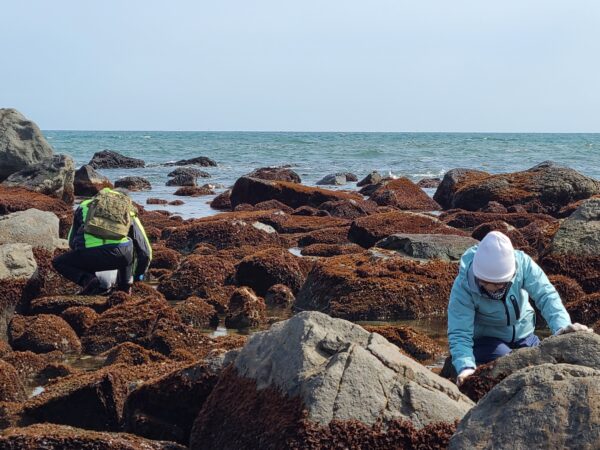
pixel 330 131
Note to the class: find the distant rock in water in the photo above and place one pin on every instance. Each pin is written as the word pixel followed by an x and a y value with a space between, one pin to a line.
pixel 88 182
pixel 253 191
pixel 21 143
pixel 107 159
pixel 373 178
pixel 429 183
pixel 182 179
pixel 194 191
pixel 189 171
pixel 222 201
pixel 202 161
pixel 52 176
pixel 337 179
pixel 133 184
pixel 276 174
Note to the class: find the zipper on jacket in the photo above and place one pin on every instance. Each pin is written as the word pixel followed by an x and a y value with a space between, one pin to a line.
pixel 507 313
pixel 513 337
pixel 515 304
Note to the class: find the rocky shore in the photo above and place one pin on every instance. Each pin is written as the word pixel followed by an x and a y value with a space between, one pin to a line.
pixel 147 370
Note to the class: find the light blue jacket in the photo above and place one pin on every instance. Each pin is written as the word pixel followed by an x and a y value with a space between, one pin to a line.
pixel 472 314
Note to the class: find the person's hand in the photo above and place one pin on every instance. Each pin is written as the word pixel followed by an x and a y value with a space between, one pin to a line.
pixel 463 375
pixel 572 328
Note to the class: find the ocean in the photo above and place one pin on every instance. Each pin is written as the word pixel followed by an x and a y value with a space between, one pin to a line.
pixel 314 155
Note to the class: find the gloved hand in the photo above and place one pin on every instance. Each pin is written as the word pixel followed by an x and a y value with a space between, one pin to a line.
pixel 573 328
pixel 463 375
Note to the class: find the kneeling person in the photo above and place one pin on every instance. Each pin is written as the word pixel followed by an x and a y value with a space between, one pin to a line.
pixel 489 313
pixel 106 235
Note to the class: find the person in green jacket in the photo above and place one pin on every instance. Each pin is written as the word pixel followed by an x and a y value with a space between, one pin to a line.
pixel 489 313
pixel 95 248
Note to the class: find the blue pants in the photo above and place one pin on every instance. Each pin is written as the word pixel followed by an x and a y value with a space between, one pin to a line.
pixel 488 349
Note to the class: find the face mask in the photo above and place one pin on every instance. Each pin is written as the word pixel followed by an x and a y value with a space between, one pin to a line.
pixel 499 294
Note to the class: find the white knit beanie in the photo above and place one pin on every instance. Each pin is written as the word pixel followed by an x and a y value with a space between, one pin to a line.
pixel 494 259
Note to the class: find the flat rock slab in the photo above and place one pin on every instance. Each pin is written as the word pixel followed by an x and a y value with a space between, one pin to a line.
pixel 428 246
pixel 546 406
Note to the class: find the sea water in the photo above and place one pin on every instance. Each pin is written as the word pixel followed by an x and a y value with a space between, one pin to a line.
pixel 314 155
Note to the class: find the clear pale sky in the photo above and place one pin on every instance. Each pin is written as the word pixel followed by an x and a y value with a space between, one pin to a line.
pixel 328 65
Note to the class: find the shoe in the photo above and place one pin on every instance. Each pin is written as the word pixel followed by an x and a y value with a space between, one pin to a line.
pixel 94 288
pixel 91 286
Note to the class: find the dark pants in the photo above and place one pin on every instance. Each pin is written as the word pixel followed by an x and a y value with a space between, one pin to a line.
pixel 80 266
pixel 488 349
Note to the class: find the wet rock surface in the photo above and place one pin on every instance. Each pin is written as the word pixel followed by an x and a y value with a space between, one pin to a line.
pixel 21 143
pixel 107 159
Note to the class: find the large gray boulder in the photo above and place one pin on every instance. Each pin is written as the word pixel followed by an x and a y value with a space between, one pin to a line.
pixel 88 182
pixel 341 371
pixel 545 406
pixel 580 348
pixel 428 246
pixel 52 176
pixel 579 234
pixel 21 143
pixel 33 227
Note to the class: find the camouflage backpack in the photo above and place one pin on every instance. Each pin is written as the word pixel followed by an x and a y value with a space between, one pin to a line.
pixel 109 215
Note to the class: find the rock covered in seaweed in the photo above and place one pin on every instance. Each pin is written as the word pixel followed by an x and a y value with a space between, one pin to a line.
pixel 313 371
pixel 254 190
pixel 377 287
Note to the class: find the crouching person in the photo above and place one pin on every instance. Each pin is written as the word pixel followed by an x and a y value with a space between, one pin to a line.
pixel 106 235
pixel 489 313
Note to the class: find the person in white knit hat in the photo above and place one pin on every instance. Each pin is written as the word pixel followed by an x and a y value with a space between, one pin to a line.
pixel 489 313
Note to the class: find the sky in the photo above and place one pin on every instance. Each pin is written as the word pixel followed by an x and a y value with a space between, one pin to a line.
pixel 327 65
